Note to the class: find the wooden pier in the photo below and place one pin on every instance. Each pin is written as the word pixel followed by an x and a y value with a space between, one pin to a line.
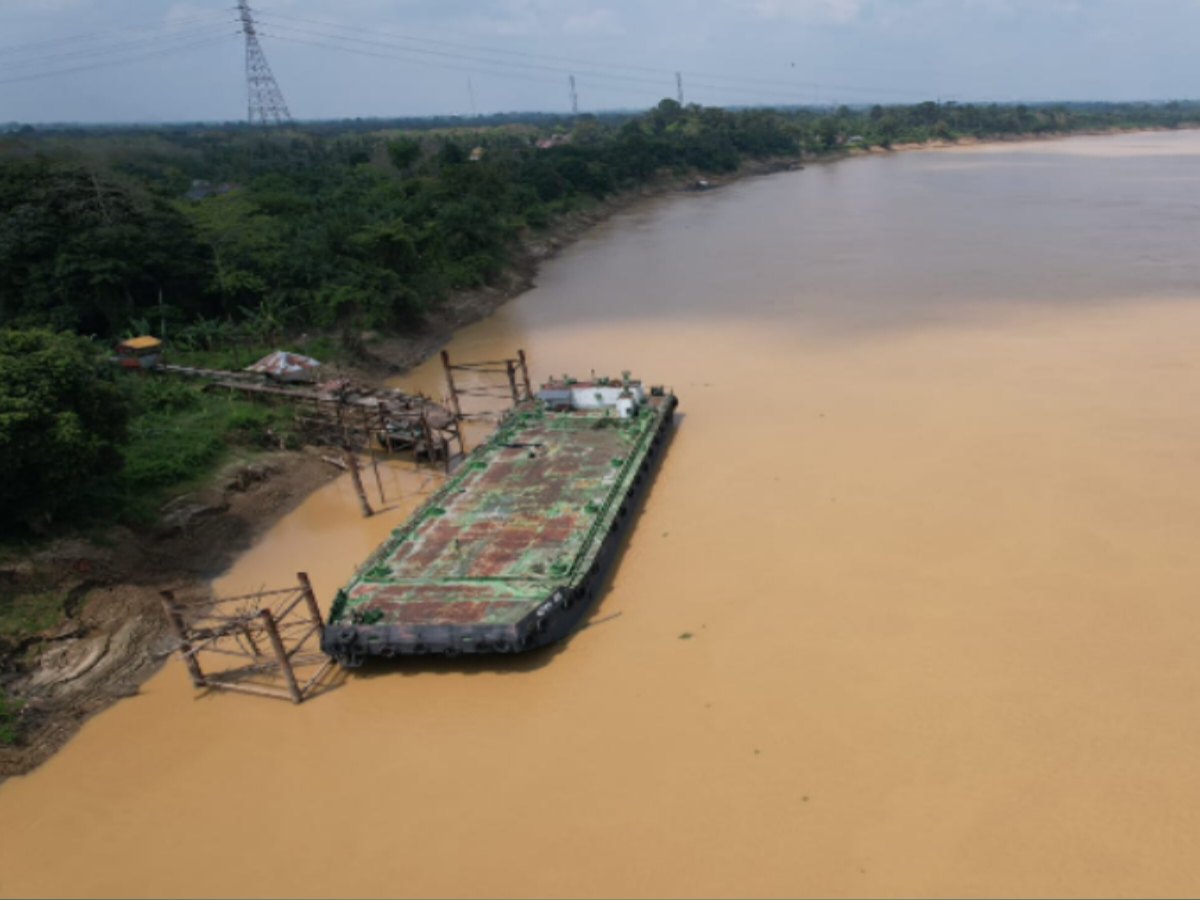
pixel 342 414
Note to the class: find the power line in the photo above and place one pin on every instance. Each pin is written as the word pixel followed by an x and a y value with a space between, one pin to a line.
pixel 470 63
pixel 477 48
pixel 162 51
pixel 397 54
pixel 576 64
pixel 11 50
pixel 67 56
pixel 475 69
pixel 447 54
pixel 393 57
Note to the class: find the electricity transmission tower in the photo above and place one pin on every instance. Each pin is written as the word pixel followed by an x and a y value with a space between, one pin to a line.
pixel 266 105
pixel 679 86
pixel 574 97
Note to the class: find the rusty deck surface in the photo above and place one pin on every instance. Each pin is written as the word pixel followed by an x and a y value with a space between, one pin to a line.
pixel 522 518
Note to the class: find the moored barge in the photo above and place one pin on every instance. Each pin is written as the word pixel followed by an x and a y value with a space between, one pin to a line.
pixel 509 553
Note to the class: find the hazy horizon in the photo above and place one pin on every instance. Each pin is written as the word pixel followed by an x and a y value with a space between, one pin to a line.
pixel 181 61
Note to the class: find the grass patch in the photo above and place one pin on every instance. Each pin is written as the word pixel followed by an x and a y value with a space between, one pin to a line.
pixel 232 359
pixel 9 710
pixel 26 615
pixel 327 349
pixel 179 436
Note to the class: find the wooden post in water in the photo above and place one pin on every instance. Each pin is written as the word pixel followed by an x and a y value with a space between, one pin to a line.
pixel 525 374
pixel 185 646
pixel 450 384
pixel 356 477
pixel 351 462
pixel 371 450
pixel 285 664
pixel 310 598
pixel 458 413
pixel 510 369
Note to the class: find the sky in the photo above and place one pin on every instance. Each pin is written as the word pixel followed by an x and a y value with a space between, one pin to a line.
pixel 184 60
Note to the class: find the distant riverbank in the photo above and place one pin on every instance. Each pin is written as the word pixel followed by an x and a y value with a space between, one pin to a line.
pixel 393 355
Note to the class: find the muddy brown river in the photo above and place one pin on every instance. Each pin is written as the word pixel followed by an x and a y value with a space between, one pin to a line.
pixel 930 519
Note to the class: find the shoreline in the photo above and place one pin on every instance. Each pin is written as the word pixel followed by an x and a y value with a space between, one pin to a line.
pixel 394 355
pixel 104 651
pixel 113 636
pixel 389 356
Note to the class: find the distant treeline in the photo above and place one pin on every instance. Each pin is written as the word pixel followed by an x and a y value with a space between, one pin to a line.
pixel 358 225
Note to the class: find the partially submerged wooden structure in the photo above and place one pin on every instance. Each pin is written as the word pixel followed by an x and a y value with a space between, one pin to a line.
pixel 265 643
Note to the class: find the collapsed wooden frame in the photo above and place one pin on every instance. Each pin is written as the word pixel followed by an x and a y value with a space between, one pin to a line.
pixel 265 630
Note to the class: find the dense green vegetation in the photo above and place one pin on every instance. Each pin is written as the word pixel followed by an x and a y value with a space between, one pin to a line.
pixel 177 436
pixel 79 439
pixel 62 421
pixel 222 239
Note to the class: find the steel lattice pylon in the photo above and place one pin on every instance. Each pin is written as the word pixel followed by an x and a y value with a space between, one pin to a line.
pixel 266 103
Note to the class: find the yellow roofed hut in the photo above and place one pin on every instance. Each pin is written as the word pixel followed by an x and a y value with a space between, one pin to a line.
pixel 143 352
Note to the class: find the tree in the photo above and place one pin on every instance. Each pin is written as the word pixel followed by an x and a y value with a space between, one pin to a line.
pixel 83 251
pixel 62 423
pixel 404 152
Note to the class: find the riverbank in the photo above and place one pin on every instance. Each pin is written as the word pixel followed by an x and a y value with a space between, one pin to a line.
pixel 111 635
pixel 386 356
pixel 391 356
pixel 107 634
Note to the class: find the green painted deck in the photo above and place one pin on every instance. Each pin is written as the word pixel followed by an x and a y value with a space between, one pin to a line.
pixel 524 515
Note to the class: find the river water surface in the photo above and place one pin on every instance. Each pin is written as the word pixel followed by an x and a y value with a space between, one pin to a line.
pixel 930 519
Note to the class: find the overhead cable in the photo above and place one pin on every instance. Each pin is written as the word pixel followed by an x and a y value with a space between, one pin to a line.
pixel 161 51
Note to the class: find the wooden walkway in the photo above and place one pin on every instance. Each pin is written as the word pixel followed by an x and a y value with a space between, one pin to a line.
pixel 395 419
